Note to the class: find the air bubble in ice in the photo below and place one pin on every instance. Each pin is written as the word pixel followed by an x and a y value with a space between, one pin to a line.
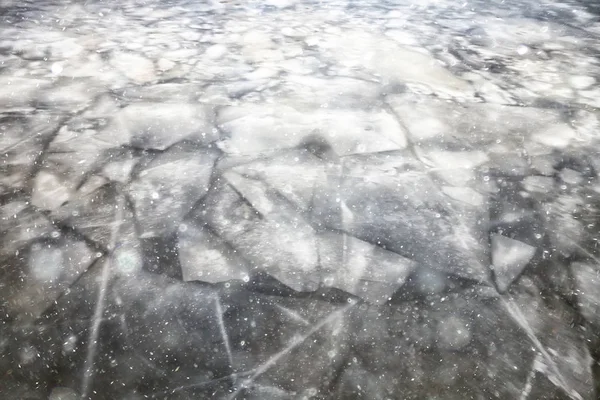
pixel 45 264
pixel 453 333
pixel 430 282
pixel 127 261
pixel 28 354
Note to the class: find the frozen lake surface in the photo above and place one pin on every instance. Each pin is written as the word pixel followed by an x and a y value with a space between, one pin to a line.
pixel 288 199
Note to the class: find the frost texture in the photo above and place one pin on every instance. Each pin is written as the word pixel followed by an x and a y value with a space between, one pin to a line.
pixel 299 200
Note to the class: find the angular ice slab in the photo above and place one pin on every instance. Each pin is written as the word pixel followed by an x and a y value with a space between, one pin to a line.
pixel 359 223
pixel 509 258
pixel 361 268
pixel 264 232
pixel 263 128
pixel 392 62
pixel 167 188
pixel 159 125
pixel 390 201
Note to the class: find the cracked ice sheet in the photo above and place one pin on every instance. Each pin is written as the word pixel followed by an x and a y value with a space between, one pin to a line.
pixel 441 342
pixel 432 122
pixel 563 358
pixel 405 211
pixel 311 260
pixel 45 270
pixel 282 336
pixel 160 125
pixel 363 269
pixel 80 145
pixel 255 129
pixel 264 231
pixel 390 61
pixel 205 257
pixel 167 188
pixel 140 30
pixel 468 337
pixel 148 321
pixel 20 224
pixel 19 93
pixel 327 92
pixel 308 169
pixel 92 214
pixel 587 283
pixel 22 139
pixel 385 200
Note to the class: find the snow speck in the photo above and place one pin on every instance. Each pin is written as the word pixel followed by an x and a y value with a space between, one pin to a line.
pixel 216 51
pixel 56 68
pixel 522 49
pixel 581 81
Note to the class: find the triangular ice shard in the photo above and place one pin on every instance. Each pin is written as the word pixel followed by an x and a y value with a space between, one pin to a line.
pixel 509 258
pixel 362 268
